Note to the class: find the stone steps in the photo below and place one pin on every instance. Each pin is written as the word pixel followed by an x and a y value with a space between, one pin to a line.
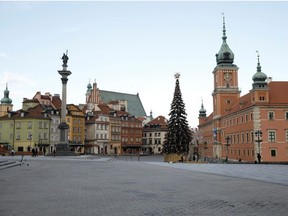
pixel 5 164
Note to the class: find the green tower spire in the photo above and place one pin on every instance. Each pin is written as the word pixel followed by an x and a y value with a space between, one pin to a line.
pixel 225 54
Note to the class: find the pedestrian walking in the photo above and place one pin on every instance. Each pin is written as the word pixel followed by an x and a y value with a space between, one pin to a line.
pixel 259 158
pixel 54 152
pixel 33 152
pixel 44 151
pixel 12 152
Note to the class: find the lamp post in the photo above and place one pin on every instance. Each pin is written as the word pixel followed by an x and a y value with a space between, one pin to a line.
pixel 227 145
pixel 259 134
pixel 30 138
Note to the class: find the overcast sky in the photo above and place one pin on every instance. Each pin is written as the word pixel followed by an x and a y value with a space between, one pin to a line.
pixel 137 47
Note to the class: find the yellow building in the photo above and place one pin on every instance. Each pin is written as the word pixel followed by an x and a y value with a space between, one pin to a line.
pixel 75 118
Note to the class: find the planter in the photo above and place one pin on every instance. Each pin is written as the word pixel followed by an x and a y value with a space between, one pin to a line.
pixel 173 157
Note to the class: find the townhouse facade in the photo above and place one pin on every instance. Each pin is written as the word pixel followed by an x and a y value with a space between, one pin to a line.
pixel 97 133
pixel 154 133
pixel 249 128
pixel 131 133
pixel 26 128
pixel 75 118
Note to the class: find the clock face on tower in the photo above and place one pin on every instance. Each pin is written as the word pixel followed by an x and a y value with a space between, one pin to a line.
pixel 227 76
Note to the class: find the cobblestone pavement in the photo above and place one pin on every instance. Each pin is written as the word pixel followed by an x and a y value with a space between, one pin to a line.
pixel 123 186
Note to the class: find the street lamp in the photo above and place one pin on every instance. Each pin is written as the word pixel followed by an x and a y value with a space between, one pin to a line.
pixel 258 134
pixel 30 138
pixel 227 145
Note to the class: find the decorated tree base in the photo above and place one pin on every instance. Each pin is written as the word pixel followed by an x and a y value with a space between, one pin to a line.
pixel 173 158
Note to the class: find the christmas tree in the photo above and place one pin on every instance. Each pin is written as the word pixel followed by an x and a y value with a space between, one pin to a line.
pixel 179 135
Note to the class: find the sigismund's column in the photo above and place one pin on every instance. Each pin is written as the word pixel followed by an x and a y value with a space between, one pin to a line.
pixel 63 126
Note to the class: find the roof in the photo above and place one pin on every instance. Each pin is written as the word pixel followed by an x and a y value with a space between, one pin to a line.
pixel 158 122
pixel 135 106
pixel 104 109
pixel 32 113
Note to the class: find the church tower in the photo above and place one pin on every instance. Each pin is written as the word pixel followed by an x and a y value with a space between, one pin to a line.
pixel 226 90
pixel 6 103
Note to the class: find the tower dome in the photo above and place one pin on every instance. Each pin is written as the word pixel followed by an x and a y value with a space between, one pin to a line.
pixel 6 99
pixel 202 111
pixel 225 54
pixel 259 77
pixel 89 88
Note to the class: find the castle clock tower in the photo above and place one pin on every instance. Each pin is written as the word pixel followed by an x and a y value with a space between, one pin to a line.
pixel 226 90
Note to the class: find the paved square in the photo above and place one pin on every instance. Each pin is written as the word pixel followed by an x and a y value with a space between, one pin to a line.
pixel 126 186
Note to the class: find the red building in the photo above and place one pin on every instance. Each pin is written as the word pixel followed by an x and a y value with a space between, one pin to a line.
pixel 241 127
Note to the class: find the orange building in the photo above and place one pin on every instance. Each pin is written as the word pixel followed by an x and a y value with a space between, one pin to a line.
pixel 243 127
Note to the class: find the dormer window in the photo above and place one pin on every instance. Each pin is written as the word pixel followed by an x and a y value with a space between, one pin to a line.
pixel 226 56
pixel 261 98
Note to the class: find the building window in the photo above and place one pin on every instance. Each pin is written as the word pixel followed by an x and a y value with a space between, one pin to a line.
pixel 247 137
pixel 29 136
pixel 271 136
pixel 18 125
pixel 29 125
pixel 273 152
pixel 18 136
pixel 270 115
pixel 286 135
pixel 286 115
pixel 20 148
